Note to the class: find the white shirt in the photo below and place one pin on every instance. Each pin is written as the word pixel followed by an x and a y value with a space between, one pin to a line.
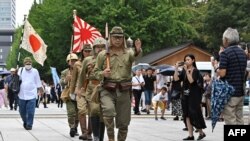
pixel 160 80
pixel 30 82
pixel 137 80
pixel 47 89
pixel 160 97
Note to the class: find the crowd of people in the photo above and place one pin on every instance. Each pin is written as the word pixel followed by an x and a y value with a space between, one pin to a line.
pixel 98 87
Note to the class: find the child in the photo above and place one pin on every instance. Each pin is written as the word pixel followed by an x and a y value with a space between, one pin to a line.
pixel 160 100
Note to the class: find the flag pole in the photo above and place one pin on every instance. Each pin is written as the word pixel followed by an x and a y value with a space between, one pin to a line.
pixel 19 54
pixel 72 37
pixel 107 47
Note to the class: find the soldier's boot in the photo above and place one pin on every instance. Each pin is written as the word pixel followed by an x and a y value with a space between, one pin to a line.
pixel 72 132
pixel 89 136
pixel 95 123
pixel 76 125
pixel 101 131
pixel 109 123
pixel 122 133
pixel 82 119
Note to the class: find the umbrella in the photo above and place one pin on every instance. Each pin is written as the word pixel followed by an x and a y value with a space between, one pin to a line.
pixel 168 71
pixel 221 93
pixel 140 66
pixel 163 66
pixel 4 72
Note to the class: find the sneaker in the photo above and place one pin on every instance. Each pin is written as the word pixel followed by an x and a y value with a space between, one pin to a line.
pixel 144 110
pixel 138 113
pixel 156 118
pixel 208 118
pixel 72 132
pixel 163 118
pixel 28 128
pixel 24 125
pixel 185 129
pixel 176 118
pixel 189 138
pixel 201 136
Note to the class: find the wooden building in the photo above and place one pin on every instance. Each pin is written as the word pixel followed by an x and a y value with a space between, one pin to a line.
pixel 172 55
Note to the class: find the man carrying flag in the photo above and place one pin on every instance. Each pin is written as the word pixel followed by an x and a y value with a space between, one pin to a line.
pixel 83 34
pixel 33 43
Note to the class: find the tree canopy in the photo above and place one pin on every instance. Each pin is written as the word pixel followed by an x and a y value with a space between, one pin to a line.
pixel 158 23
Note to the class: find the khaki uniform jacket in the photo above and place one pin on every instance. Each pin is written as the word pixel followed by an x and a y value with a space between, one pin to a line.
pixel 63 81
pixel 86 71
pixel 75 75
pixel 121 64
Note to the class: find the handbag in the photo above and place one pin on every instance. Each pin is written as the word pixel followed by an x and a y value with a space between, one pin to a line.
pixel 65 94
pixel 175 94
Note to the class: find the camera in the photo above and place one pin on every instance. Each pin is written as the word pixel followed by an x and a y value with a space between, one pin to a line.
pixel 186 92
pixel 181 63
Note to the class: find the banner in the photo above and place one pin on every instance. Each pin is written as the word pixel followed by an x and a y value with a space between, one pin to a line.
pixel 33 43
pixel 55 76
pixel 83 34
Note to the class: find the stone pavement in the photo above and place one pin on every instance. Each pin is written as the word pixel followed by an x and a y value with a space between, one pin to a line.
pixel 50 124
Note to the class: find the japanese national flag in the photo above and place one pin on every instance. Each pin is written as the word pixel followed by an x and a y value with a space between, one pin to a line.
pixel 33 43
pixel 83 34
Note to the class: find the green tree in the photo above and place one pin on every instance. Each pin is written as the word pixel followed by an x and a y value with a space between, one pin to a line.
pixel 159 24
pixel 222 14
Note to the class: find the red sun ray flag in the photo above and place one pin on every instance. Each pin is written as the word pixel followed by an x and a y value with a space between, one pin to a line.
pixel 33 43
pixel 83 34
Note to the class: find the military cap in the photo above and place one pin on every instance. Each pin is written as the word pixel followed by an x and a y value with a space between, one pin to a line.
pixel 116 31
pixel 12 69
pixel 27 59
pixel 87 47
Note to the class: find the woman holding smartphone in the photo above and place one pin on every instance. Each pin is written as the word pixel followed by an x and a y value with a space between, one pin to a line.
pixel 191 96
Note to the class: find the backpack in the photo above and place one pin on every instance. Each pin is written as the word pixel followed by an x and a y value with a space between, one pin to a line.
pixel 2 84
pixel 200 82
pixel 15 83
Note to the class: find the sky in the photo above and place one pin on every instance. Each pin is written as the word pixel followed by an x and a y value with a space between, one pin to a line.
pixel 22 8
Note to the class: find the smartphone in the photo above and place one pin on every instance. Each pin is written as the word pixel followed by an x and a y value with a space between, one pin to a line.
pixel 181 63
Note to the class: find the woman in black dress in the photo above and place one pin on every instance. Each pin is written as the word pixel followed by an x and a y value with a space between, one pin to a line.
pixel 192 96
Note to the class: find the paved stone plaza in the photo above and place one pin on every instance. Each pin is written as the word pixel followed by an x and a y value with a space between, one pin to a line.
pixel 50 124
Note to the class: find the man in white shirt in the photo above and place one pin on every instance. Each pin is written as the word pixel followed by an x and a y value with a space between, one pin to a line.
pixel 28 92
pixel 137 85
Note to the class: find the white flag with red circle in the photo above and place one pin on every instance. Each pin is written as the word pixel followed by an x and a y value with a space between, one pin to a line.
pixel 83 34
pixel 33 43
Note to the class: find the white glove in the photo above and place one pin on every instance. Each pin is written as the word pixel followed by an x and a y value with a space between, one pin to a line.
pixel 73 97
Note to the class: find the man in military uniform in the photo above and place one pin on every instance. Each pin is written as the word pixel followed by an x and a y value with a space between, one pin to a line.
pixel 66 77
pixel 113 68
pixel 81 103
pixel 87 83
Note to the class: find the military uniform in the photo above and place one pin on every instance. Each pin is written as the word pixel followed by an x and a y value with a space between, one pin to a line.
pixel 81 104
pixel 70 105
pixel 87 83
pixel 115 91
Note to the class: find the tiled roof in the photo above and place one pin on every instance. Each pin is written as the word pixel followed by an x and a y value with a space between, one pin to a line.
pixel 161 53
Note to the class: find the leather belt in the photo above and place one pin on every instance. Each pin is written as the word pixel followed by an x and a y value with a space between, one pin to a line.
pixel 94 82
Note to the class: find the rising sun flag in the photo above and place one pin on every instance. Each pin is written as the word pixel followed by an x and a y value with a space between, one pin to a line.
pixel 33 43
pixel 83 34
